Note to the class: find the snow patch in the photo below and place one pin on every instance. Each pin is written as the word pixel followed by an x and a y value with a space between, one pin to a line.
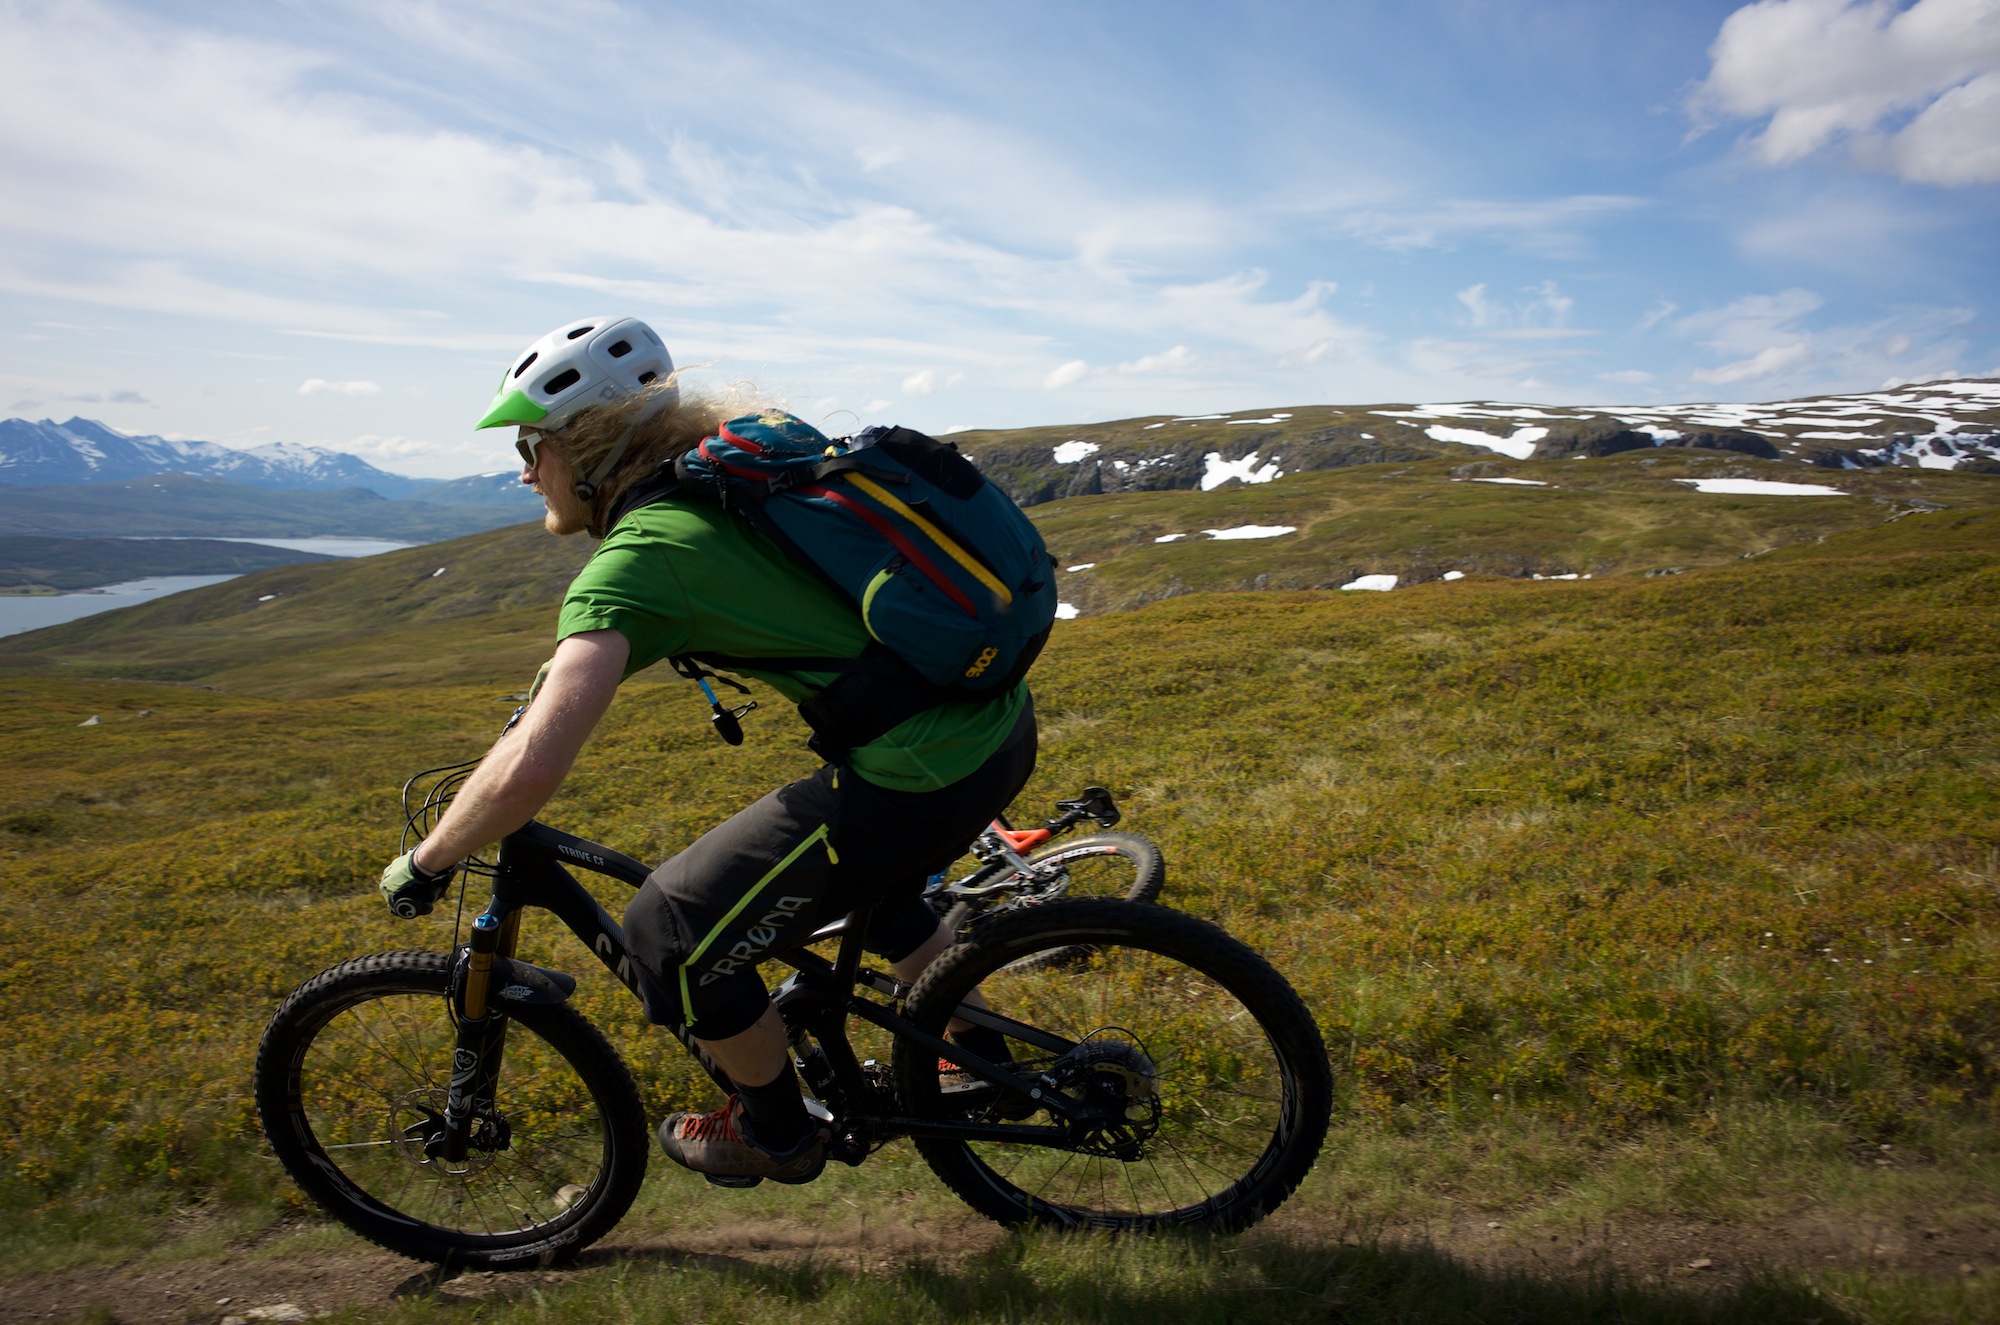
pixel 1520 482
pixel 1247 470
pixel 1083 566
pixel 1519 447
pixel 1275 418
pixel 1252 531
pixel 1756 487
pixel 1170 538
pixel 1376 583
pixel 1065 611
pixel 1071 452
pixel 1454 575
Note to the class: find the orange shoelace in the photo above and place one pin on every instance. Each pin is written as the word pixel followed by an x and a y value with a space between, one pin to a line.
pixel 720 1125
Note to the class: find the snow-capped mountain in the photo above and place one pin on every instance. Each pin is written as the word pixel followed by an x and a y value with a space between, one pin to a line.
pixel 85 451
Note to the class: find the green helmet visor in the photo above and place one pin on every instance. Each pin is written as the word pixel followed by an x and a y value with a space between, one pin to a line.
pixel 511 408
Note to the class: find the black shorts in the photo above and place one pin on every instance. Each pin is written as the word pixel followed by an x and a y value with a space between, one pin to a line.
pixel 808 853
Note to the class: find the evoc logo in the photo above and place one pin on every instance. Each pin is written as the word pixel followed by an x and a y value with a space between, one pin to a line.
pixel 758 940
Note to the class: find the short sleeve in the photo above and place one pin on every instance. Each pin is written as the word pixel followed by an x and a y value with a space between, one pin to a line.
pixel 630 587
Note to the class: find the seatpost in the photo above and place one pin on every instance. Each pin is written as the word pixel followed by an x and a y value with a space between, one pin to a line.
pixel 847 966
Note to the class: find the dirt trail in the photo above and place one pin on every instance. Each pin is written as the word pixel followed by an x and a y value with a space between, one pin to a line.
pixel 1685 1254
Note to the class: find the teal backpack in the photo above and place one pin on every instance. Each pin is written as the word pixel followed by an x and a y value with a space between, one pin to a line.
pixel 952 581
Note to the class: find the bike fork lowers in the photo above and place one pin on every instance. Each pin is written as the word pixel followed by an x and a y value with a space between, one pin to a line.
pixel 482 1036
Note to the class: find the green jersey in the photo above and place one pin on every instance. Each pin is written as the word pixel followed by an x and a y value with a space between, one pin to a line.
pixel 677 578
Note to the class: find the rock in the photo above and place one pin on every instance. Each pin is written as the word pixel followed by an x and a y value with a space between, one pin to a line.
pixel 1725 439
pixel 90 721
pixel 1599 435
pixel 1700 1263
pixel 279 1311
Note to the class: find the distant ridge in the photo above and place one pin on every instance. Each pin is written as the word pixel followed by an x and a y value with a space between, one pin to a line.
pixel 1939 425
pixel 85 451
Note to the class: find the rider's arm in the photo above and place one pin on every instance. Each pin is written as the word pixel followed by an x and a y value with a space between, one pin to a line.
pixel 526 765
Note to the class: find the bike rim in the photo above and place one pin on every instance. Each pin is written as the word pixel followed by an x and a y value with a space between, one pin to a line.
pixel 372 1084
pixel 1204 1088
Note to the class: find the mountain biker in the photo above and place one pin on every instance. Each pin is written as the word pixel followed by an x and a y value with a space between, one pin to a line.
pixel 599 410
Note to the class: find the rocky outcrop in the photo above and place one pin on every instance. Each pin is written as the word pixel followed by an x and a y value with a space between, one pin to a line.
pixel 1598 436
pixel 1739 440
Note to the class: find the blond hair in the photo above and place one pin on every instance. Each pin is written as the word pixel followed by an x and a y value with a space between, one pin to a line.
pixel 655 431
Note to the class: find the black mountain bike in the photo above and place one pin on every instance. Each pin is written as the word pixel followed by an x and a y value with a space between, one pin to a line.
pixel 451 1107
pixel 1028 866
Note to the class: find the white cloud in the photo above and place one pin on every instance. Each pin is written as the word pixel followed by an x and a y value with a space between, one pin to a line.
pixel 319 386
pixel 108 398
pixel 1066 374
pixel 1914 91
pixel 1480 309
pixel 1630 376
pixel 1771 340
pixel 1550 227
pixel 930 381
pixel 1179 359
pixel 1764 363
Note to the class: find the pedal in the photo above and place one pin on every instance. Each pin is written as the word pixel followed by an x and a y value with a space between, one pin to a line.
pixel 719 1180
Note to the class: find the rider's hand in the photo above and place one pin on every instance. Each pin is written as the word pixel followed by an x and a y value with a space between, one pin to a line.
pixel 410 889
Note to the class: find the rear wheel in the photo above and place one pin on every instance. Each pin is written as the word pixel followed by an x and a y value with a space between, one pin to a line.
pixel 1209 1084
pixel 351 1080
pixel 1104 865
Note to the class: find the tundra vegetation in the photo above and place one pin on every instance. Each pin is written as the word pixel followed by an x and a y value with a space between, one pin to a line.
pixel 1660 910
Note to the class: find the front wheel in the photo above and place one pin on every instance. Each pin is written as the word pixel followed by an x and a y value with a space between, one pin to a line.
pixel 1205 1072
pixel 351 1080
pixel 1101 865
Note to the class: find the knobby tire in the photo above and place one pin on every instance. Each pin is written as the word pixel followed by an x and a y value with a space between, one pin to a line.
pixel 352 1069
pixel 1196 1036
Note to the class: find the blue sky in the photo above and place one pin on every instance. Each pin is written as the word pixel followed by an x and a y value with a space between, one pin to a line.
pixel 334 222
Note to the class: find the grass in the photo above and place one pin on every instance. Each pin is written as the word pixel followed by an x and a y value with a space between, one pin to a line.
pixel 1669 901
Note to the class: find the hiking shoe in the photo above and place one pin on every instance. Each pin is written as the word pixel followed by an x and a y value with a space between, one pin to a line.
pixel 720 1144
pixel 962 1090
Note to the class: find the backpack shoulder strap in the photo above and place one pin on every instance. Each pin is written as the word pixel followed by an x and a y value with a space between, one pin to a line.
pixel 660 485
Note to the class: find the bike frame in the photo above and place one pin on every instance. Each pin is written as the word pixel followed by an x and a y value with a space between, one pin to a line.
pixel 1003 842
pixel 815 1003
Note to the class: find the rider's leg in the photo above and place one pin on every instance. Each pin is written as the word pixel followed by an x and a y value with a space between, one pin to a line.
pixel 755 1056
pixel 987 1044
pixel 914 965
pixel 760 1063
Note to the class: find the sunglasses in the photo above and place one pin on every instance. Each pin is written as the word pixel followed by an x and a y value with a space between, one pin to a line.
pixel 528 443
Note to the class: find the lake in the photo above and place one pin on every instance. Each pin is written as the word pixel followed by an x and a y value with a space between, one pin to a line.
pixel 18 614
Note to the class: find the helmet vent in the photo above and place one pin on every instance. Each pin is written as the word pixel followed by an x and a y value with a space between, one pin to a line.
pixel 580 331
pixel 646 378
pixel 561 382
pixel 525 362
pixel 621 349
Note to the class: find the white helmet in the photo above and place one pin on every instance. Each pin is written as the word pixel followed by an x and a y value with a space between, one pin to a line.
pixel 591 362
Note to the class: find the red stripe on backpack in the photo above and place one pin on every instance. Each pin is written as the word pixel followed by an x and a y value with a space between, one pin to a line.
pixel 901 544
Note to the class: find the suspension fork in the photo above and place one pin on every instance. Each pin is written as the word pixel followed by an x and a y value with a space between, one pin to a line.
pixel 482 1032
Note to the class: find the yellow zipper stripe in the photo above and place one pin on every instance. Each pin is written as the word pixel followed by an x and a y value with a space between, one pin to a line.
pixel 817 835
pixel 953 550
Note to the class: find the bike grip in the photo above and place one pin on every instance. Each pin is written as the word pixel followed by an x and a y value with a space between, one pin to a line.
pixel 413 899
